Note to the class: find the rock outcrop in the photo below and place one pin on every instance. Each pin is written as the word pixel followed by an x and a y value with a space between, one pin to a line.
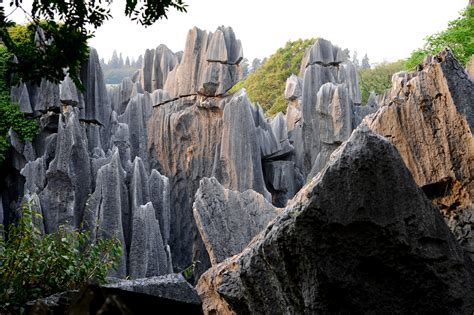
pixel 157 64
pixel 427 116
pixel 228 220
pixel 209 65
pixel 382 248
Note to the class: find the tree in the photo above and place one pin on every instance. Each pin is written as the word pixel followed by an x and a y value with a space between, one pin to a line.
pixel 255 64
pixel 62 45
pixel 127 62
pixel 244 65
pixel 114 61
pixel 266 85
pixel 355 61
pixel 458 37
pixel 365 62
pixel 378 79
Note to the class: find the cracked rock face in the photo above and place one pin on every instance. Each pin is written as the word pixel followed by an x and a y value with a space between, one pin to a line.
pixel 228 220
pixel 209 65
pixel 373 250
pixel 427 117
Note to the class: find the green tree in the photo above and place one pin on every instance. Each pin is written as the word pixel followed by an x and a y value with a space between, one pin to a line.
pixel 34 265
pixel 459 37
pixel 378 79
pixel 266 85
pixel 63 45
pixel 10 115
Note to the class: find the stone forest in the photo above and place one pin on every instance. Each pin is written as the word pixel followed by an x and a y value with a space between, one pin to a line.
pixel 333 207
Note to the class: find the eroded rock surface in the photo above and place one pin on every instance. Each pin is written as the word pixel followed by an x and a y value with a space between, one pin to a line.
pixel 374 250
pixel 228 220
pixel 427 115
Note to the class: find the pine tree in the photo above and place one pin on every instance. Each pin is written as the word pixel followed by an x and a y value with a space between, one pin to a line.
pixel 365 62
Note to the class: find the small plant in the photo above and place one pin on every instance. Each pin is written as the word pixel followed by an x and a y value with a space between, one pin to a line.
pixel 34 265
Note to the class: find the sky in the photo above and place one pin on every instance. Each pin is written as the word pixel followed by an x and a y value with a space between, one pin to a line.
pixel 384 30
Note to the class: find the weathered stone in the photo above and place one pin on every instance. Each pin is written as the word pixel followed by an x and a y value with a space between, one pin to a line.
pixel 68 176
pixel 34 173
pixel 384 234
pixel 147 256
pixel 68 92
pixel 164 62
pixel 159 195
pixel 108 206
pixel 24 101
pixel 293 88
pixel 421 118
pixel 240 166
pixel 228 220
pixel 47 97
pixel 283 180
pixel 171 286
pixel 208 66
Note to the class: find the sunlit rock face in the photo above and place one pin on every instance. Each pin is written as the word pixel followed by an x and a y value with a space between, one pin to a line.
pixel 384 234
pixel 429 116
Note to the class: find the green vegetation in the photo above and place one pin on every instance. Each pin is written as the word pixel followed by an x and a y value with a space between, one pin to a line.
pixel 459 36
pixel 378 79
pixel 64 45
pixel 266 85
pixel 116 75
pixel 10 115
pixel 33 265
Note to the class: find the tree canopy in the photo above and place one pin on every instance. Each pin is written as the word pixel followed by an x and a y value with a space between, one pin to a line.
pixel 266 85
pixel 459 37
pixel 66 26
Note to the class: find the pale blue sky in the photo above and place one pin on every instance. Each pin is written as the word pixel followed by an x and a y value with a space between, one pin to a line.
pixel 385 30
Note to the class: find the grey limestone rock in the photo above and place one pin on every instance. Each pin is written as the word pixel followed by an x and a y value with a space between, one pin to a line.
pixel 283 180
pixel 228 220
pixel 68 175
pixel 293 88
pixel 24 101
pixel 147 256
pixel 46 97
pixel 170 286
pixel 34 173
pixel 107 208
pixel 159 195
pixel 384 234
pixel 68 94
pixel 424 116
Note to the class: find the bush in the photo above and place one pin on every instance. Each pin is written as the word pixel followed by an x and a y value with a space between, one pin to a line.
pixel 33 265
pixel 378 79
pixel 266 85
pixel 458 36
pixel 10 115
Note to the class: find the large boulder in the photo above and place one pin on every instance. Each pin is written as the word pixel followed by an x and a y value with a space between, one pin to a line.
pixel 381 248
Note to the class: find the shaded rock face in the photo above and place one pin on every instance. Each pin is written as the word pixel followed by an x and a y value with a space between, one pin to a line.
pixel 383 248
pixel 324 106
pixel 222 137
pixel 228 220
pixel 209 65
pixel 427 116
pixel 89 167
pixel 157 64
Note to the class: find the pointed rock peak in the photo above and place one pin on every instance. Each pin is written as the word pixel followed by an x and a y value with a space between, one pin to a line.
pixel 68 92
pixel 322 52
pixel 24 101
pixel 293 89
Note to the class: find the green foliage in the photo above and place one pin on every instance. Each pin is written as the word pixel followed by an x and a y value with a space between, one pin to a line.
pixel 266 85
pixel 459 36
pixel 378 78
pixel 10 115
pixel 33 265
pixel 64 46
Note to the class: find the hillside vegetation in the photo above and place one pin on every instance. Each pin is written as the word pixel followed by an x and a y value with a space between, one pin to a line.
pixel 266 85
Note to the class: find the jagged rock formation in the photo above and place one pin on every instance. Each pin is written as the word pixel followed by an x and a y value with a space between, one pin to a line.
pixel 79 171
pixel 323 106
pixel 228 220
pixel 374 250
pixel 157 64
pixel 427 115
pixel 209 65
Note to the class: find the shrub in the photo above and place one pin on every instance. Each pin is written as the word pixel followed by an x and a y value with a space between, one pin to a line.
pixel 34 265
pixel 458 36
pixel 266 85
